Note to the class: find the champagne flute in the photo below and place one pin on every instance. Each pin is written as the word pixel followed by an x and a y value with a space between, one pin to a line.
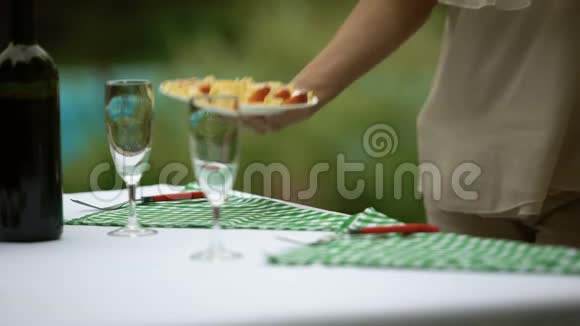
pixel 129 115
pixel 214 148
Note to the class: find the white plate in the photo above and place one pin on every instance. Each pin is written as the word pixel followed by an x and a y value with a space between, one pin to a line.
pixel 246 108
pixel 265 109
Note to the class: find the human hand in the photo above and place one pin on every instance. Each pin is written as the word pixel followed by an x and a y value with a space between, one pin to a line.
pixel 340 63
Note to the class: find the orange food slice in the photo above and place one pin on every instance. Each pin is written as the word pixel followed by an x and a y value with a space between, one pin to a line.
pixel 259 95
pixel 283 94
pixel 204 88
pixel 296 99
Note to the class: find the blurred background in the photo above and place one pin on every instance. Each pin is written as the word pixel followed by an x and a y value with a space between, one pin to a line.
pixel 94 41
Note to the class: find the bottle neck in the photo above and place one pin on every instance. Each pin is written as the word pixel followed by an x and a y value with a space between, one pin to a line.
pixel 23 22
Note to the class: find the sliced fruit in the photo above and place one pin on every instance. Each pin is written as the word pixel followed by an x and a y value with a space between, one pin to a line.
pixel 283 94
pixel 204 88
pixel 297 99
pixel 259 95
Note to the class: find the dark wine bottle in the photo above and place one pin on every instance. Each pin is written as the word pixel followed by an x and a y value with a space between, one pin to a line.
pixel 30 160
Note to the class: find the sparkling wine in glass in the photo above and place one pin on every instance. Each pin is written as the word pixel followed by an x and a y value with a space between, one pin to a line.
pixel 214 141
pixel 129 117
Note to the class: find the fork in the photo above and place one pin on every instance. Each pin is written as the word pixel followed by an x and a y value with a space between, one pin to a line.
pixel 147 200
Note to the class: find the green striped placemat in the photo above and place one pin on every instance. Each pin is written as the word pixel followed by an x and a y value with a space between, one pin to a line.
pixel 243 212
pixel 440 251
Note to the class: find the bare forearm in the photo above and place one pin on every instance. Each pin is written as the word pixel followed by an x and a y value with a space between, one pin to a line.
pixel 374 29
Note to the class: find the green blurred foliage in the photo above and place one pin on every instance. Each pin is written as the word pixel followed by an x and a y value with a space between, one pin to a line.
pixel 266 40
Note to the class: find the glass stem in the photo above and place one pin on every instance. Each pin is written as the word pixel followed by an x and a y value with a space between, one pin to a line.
pixel 132 221
pixel 215 241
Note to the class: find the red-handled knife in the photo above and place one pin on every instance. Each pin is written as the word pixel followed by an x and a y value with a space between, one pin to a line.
pixel 403 228
pixel 173 197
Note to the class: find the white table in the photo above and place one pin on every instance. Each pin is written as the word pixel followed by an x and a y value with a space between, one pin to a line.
pixel 88 278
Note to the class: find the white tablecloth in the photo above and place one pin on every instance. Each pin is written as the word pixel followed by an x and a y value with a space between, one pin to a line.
pixel 88 278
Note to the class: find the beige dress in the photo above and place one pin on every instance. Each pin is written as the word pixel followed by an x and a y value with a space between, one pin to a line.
pixel 504 110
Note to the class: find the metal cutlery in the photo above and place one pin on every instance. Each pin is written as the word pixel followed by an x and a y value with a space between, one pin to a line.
pixel 147 200
pixel 404 229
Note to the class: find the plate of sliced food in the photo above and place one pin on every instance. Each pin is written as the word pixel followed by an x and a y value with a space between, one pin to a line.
pixel 254 97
